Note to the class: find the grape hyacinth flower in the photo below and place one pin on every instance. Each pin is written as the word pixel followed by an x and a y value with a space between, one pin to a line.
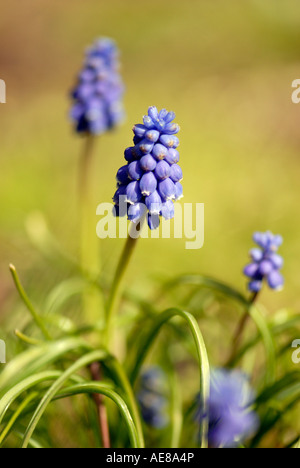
pixel 150 181
pixel 231 420
pixel 266 263
pixel 99 91
pixel 152 398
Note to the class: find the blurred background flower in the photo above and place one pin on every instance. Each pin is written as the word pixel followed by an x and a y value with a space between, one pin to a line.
pixel 266 263
pixel 98 94
pixel 152 397
pixel 231 420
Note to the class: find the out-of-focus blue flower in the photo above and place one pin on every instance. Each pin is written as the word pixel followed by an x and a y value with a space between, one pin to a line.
pixel 231 420
pixel 152 176
pixel 152 398
pixel 266 263
pixel 97 97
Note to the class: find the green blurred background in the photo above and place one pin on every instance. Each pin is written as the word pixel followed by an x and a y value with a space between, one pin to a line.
pixel 224 67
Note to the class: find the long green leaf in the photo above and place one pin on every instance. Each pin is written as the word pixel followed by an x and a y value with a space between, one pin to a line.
pixel 279 387
pixel 103 389
pixel 26 384
pixel 123 381
pixel 235 295
pixel 209 283
pixel 35 359
pixel 176 411
pixel 16 415
pixel 36 317
pixel 58 384
pixel 147 342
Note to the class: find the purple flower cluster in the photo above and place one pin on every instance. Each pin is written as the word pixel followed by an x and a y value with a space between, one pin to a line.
pixel 98 94
pixel 150 181
pixel 152 397
pixel 266 263
pixel 231 420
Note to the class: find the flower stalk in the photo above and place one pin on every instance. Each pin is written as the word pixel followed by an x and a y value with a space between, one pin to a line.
pixel 240 329
pixel 116 288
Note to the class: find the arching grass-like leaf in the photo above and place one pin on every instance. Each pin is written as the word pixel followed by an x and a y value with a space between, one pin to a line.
pixel 147 341
pixel 21 387
pixel 35 359
pixel 106 390
pixel 233 294
pixel 81 363
pixel 16 415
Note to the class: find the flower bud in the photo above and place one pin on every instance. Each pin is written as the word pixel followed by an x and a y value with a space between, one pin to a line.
pixel 139 130
pixel 152 135
pixel 154 203
pixel 159 152
pixel 255 286
pixel 265 268
pixel 179 191
pixel 167 190
pixel 256 255
pixel 162 170
pixel 148 184
pixel 276 260
pixel 153 221
pixel 170 141
pixel 275 280
pixel 251 270
pixel 168 210
pixel 133 193
pixel 136 212
pixel 153 113
pixel 129 155
pixel 171 129
pixel 176 173
pixel 122 175
pixel 148 163
pixel 135 170
pixel 145 146
pixel 172 156
pixel 121 192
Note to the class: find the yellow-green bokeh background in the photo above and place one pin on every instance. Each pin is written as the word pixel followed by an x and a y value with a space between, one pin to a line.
pixel 224 66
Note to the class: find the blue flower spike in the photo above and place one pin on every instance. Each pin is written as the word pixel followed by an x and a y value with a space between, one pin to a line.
pixel 97 97
pixel 265 263
pixel 153 176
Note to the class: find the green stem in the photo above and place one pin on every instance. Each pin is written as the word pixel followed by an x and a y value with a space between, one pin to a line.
pixel 89 258
pixel 240 330
pixel 116 288
pixel 90 264
pixel 27 303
